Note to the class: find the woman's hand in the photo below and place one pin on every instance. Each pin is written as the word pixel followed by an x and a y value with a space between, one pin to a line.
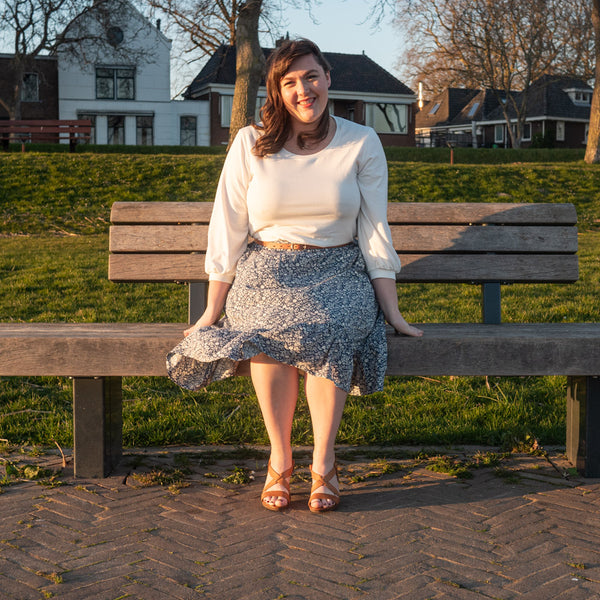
pixel 387 297
pixel 215 301
pixel 404 328
pixel 206 320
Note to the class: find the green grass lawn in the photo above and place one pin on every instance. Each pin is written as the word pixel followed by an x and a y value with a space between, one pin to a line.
pixel 64 279
pixel 53 267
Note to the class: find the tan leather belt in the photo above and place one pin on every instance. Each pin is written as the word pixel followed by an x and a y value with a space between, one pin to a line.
pixel 292 246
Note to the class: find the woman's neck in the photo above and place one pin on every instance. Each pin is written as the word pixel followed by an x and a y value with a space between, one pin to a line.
pixel 310 147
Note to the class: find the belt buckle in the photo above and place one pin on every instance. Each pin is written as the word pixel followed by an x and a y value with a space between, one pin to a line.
pixel 296 246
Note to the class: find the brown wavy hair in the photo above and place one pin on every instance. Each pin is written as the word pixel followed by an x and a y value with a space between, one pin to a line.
pixel 276 121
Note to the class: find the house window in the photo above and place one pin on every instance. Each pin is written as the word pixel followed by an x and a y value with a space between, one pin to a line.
pixel 526 132
pixel 227 106
pixel 387 118
pixel 144 131
pixel 30 90
pixel 435 108
pixel 499 134
pixel 473 109
pixel 560 131
pixel 187 131
pixel 116 129
pixel 115 83
pixel 92 119
pixel 587 129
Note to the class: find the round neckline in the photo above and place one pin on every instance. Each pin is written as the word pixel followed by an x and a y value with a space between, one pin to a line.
pixel 337 130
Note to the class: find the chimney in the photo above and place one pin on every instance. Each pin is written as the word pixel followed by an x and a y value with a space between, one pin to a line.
pixel 281 40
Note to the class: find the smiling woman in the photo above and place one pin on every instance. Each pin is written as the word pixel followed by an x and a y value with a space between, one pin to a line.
pixel 309 295
pixel 295 114
pixel 304 95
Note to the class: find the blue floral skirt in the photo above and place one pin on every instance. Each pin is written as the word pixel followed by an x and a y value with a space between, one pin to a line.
pixel 313 309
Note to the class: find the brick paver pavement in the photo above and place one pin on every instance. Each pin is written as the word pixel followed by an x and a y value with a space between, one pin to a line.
pixel 167 526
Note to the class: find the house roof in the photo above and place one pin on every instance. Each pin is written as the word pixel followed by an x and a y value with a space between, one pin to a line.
pixel 444 107
pixel 548 97
pixel 349 73
pixel 478 108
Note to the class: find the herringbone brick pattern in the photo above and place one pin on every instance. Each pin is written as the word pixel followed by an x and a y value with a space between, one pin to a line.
pixel 403 532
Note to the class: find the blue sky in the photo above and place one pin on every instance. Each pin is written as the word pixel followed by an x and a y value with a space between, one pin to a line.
pixel 341 27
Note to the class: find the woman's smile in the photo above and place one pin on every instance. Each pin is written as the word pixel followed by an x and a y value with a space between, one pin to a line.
pixel 304 90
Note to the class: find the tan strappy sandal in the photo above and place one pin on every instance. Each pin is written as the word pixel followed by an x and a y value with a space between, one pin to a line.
pixel 323 481
pixel 277 478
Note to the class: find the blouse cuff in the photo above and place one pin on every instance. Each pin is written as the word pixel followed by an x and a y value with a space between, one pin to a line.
pixel 377 273
pixel 221 277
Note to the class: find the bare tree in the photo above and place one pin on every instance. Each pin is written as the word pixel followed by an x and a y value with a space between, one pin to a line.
pixel 250 67
pixel 501 45
pixel 592 151
pixel 206 23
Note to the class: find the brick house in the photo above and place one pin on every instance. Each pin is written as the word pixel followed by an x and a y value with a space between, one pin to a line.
pixel 558 115
pixel 39 92
pixel 360 91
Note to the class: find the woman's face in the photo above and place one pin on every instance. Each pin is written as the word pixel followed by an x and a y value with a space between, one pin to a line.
pixel 304 90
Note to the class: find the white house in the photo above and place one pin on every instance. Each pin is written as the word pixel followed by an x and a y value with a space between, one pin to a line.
pixel 120 80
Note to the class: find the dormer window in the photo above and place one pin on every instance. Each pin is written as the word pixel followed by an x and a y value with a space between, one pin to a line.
pixel 580 97
pixel 435 108
pixel 473 109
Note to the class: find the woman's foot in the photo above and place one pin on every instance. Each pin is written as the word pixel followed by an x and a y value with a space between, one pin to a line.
pixel 276 493
pixel 324 493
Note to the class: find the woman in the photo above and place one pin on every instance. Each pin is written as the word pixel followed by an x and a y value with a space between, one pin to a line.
pixel 309 292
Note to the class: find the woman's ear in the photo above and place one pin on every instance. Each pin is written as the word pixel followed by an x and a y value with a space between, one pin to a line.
pixel 328 78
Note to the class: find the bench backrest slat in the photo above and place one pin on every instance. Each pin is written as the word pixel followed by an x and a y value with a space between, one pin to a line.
pixel 499 213
pixel 160 212
pixel 159 238
pixel 416 268
pixel 453 239
pixel 450 242
pixel 406 238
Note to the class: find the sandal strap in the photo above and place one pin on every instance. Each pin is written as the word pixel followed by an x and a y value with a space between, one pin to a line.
pixel 277 478
pixel 323 481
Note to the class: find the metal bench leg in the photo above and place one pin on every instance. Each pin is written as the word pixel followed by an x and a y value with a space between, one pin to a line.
pixel 97 424
pixel 583 424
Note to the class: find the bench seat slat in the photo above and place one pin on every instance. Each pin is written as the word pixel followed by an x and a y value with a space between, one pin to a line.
pixel 114 349
pixel 500 350
pixel 416 268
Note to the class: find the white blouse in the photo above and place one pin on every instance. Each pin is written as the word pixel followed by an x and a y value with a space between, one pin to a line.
pixel 324 199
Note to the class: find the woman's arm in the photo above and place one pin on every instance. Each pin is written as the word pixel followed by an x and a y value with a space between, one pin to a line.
pixel 215 302
pixel 387 296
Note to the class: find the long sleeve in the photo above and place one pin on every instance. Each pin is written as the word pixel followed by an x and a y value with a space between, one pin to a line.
pixel 374 235
pixel 228 229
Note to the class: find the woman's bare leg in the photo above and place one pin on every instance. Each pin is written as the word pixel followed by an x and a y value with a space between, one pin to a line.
pixel 276 386
pixel 326 404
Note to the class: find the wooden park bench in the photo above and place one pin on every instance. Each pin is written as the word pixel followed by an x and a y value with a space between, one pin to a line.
pixel 485 244
pixel 45 131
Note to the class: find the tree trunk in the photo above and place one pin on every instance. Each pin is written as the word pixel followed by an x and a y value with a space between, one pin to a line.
pixel 592 150
pixel 249 67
